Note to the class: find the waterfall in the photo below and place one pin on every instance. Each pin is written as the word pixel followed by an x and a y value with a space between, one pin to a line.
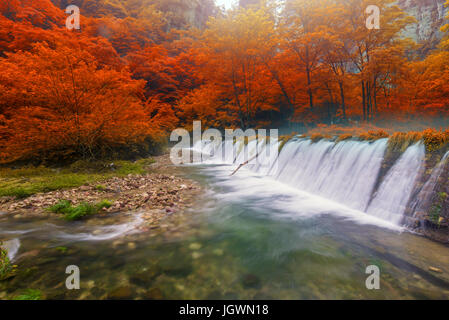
pixel 345 172
pixel 394 193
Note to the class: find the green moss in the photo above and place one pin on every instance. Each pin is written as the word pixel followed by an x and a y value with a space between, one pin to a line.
pixel 62 249
pixel 82 210
pixel 30 294
pixel 100 187
pixel 24 182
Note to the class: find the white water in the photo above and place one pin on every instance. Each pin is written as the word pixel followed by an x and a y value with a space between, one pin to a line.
pixel 394 193
pixel 423 199
pixel 12 246
pixel 344 172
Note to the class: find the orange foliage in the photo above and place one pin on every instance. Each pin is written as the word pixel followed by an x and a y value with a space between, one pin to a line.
pixel 128 76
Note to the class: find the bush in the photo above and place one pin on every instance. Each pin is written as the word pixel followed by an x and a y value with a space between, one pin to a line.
pixel 7 269
pixel 434 140
pixel 82 210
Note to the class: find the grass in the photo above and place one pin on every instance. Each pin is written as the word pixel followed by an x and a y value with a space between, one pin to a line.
pixel 373 135
pixel 7 269
pixel 82 210
pixel 24 182
pixel 30 294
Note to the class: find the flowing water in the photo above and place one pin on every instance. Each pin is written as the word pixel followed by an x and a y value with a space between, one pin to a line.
pixel 276 231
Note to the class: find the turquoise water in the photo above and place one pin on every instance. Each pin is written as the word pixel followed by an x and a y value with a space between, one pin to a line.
pixel 247 237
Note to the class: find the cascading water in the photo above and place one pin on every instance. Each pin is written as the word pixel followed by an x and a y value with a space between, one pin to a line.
pixel 345 172
pixel 394 193
pixel 424 197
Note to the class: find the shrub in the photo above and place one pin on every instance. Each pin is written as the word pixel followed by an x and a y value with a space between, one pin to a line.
pixel 7 269
pixel 82 210
pixel 100 187
pixel 434 140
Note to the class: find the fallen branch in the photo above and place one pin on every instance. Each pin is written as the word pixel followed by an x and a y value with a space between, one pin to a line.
pixel 244 164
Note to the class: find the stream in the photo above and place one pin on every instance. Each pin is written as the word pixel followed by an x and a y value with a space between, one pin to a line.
pixel 248 237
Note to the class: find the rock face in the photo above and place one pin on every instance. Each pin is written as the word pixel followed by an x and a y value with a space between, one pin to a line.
pixel 431 17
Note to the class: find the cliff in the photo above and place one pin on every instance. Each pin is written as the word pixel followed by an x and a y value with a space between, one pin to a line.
pixel 431 17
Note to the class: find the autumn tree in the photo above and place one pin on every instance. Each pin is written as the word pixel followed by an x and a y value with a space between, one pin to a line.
pixel 231 62
pixel 82 109
pixel 365 42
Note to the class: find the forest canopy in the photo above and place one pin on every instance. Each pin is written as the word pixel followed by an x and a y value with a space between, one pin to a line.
pixel 137 69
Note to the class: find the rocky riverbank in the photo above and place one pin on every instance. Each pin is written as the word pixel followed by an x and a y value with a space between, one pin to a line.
pixel 160 191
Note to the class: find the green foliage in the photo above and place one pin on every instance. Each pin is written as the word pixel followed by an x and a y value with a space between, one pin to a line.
pixel 82 210
pixel 62 249
pixel 100 187
pixel 30 294
pixel 435 140
pixel 435 210
pixel 24 182
pixel 7 269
